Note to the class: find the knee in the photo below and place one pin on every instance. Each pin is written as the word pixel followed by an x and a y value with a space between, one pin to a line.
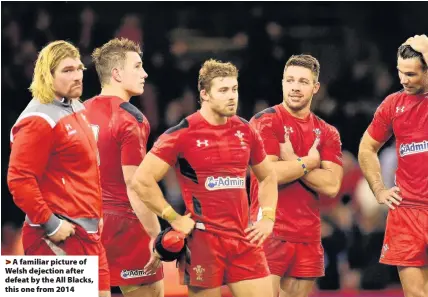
pixel 415 292
pixel 291 289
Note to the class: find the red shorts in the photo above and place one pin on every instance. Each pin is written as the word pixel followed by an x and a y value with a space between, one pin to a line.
pixel 36 243
pixel 216 260
pixel 127 248
pixel 296 259
pixel 406 238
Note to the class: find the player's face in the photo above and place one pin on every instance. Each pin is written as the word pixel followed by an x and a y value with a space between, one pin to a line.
pixel 412 76
pixel 223 96
pixel 298 86
pixel 68 79
pixel 133 74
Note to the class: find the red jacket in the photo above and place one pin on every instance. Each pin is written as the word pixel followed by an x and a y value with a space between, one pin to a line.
pixel 53 169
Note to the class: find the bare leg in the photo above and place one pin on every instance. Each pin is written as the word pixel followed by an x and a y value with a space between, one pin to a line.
pixel 202 292
pixel 296 287
pixel 155 289
pixel 260 287
pixel 413 280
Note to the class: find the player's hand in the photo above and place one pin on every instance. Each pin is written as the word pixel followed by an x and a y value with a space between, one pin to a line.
pixel 154 262
pixel 183 224
pixel 286 149
pixel 389 197
pixel 314 155
pixel 419 43
pixel 260 231
pixel 65 230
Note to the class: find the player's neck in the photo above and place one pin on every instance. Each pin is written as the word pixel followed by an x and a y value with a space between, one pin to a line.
pixel 301 114
pixel 109 90
pixel 211 117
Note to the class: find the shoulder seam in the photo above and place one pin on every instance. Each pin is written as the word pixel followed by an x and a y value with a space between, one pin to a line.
pixel 132 110
pixel 44 116
pixel 48 119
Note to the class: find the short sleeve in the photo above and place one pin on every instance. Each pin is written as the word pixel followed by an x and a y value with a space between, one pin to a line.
pixel 132 137
pixel 257 154
pixel 331 149
pixel 263 124
pixel 380 129
pixel 167 147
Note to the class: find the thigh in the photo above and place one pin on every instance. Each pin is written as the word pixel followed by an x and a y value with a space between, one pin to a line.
pixel 296 287
pixel 425 273
pixel 204 264
pixel 152 290
pixel 279 255
pixel 413 280
pixel 308 261
pixel 245 261
pixel 275 281
pixel 36 243
pixel 404 243
pixel 260 287
pixel 203 292
pixel 128 251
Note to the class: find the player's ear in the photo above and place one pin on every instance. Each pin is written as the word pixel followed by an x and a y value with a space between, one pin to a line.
pixel 204 95
pixel 115 73
pixel 317 87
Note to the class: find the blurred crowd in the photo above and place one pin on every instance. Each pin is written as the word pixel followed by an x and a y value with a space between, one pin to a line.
pixel 354 44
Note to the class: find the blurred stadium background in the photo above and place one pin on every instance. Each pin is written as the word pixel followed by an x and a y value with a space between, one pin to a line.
pixel 356 44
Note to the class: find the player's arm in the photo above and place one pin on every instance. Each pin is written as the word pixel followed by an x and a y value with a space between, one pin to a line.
pixel 268 189
pixel 369 162
pixel 370 166
pixel 32 144
pixel 153 168
pixel 286 171
pixel 325 180
pixel 374 138
pixel 145 184
pixel 147 218
pixel 263 169
pixel 420 44
pixel 132 136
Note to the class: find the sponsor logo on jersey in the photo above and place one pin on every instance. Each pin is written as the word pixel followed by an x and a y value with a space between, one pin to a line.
pixel 125 274
pixel 413 148
pixel 218 183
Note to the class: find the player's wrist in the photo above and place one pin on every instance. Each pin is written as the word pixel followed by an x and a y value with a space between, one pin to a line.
pixel 268 213
pixel 378 188
pixel 304 166
pixel 310 162
pixel 169 214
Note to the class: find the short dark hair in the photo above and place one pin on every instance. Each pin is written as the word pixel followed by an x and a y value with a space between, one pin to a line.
pixel 306 61
pixel 405 51
pixel 112 54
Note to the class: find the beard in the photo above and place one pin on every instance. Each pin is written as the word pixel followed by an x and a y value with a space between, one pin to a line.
pixel 297 105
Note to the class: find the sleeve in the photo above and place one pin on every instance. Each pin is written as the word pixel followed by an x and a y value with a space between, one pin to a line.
pixel 258 153
pixel 32 141
pixel 167 147
pixel 331 149
pixel 264 127
pixel 132 137
pixel 381 126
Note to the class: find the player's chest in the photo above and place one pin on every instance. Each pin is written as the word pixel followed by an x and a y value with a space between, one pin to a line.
pixel 76 138
pixel 410 121
pixel 302 135
pixel 217 149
